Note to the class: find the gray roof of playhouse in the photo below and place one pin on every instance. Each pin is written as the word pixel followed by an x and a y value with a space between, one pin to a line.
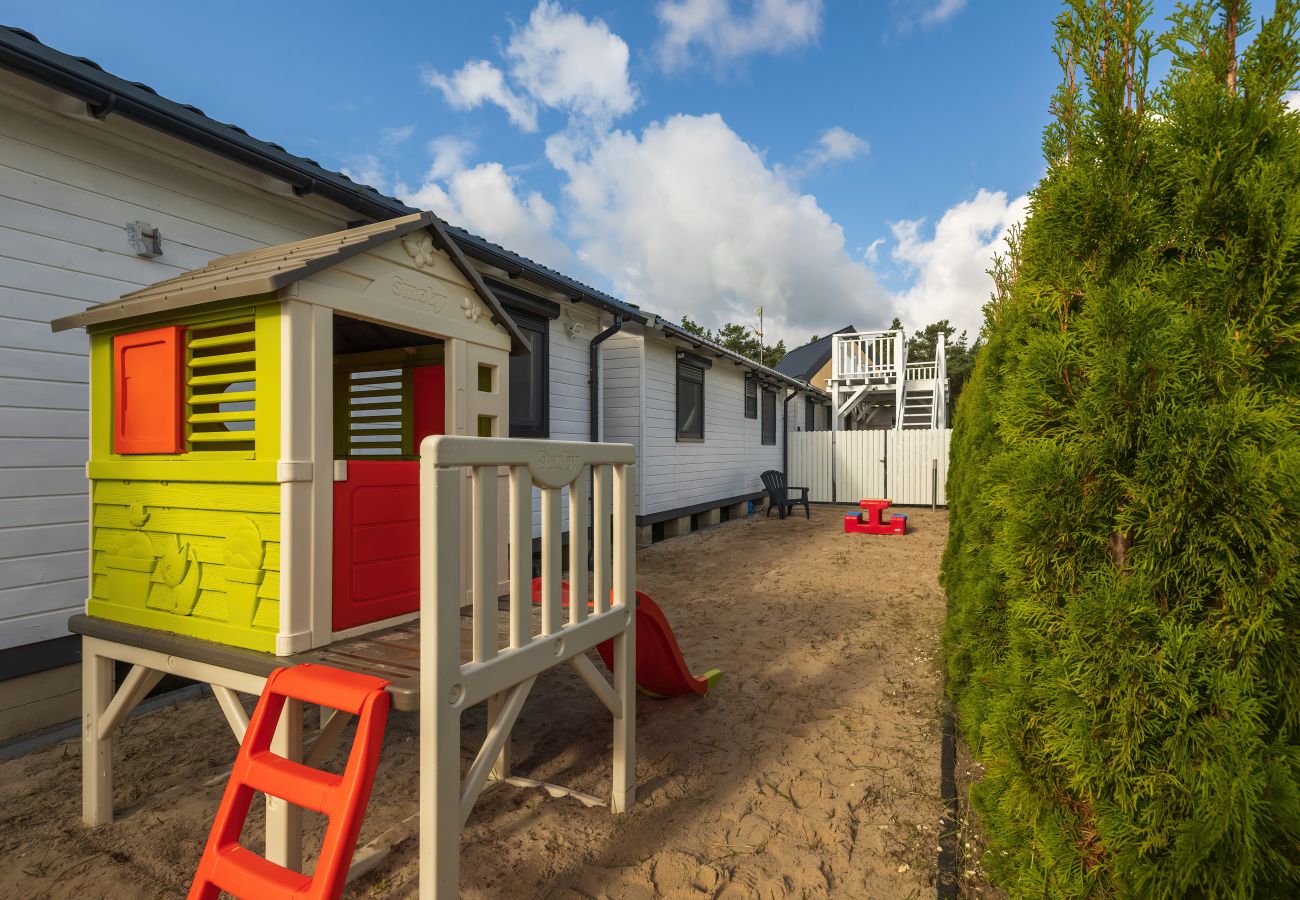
pixel 806 361
pixel 106 94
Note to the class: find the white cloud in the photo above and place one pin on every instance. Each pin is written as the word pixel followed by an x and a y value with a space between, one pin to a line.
pixel 570 63
pixel 834 145
pixel 926 13
pixel 391 137
pixel 1292 99
pixel 367 169
pixel 942 11
pixel 559 60
pixel 727 31
pixel 872 253
pixel 478 82
pixel 489 201
pixel 687 219
pixel 449 154
pixel 949 266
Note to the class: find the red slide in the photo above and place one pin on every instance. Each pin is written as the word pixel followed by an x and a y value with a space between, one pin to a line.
pixel 660 669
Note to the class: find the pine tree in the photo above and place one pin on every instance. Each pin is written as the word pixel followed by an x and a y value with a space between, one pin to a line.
pixel 1124 636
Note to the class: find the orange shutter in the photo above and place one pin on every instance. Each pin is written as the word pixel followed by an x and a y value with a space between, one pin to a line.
pixel 147 391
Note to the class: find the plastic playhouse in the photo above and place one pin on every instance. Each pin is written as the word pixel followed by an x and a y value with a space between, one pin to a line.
pixel 873 520
pixel 294 460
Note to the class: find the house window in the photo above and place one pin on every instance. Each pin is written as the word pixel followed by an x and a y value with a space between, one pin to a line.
pixel 809 414
pixel 530 381
pixel 751 397
pixel 690 402
pixel 769 416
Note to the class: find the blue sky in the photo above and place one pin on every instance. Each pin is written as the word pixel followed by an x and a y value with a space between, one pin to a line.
pixel 837 162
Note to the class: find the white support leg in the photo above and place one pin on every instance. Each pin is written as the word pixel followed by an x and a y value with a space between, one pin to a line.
pixel 96 749
pixel 624 787
pixel 441 690
pixel 284 820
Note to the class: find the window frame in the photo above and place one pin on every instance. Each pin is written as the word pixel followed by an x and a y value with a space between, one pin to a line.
pixel 768 422
pixel 538 359
pixel 751 396
pixel 809 414
pixel 687 367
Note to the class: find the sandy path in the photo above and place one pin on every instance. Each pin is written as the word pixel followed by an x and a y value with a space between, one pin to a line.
pixel 811 771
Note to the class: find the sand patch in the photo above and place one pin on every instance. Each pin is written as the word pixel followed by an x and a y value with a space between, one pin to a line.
pixel 812 770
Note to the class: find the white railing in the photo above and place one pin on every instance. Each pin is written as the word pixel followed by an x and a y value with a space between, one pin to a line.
pixel 502 665
pixel 922 371
pixel 867 355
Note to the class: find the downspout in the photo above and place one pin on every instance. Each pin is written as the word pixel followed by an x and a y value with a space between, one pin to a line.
pixel 595 373
pixel 785 425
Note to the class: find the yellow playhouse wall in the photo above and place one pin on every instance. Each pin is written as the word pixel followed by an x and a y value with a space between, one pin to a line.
pixel 190 543
pixel 188 526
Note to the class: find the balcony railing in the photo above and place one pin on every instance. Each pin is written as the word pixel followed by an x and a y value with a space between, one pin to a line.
pixel 868 355
pixel 922 371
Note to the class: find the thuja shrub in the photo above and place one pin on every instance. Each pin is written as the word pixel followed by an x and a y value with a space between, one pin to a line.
pixel 1124 629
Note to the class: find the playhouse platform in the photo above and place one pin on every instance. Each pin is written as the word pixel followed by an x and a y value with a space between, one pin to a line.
pixel 392 654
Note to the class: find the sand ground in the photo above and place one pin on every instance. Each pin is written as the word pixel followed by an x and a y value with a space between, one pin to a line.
pixel 812 770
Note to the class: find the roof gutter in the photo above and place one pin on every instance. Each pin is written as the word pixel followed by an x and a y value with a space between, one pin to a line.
pixel 511 267
pixel 23 54
pixel 39 63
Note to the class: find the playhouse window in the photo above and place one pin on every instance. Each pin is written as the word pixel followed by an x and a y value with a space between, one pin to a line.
pixel 809 414
pixel 376 412
pixel 221 377
pixel 690 402
pixel 751 397
pixel 769 416
pixel 389 389
pixel 530 381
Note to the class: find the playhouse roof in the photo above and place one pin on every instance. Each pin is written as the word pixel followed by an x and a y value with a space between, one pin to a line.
pixel 267 270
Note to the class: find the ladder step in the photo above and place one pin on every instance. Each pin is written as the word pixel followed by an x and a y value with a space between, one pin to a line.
pixel 243 873
pixel 292 782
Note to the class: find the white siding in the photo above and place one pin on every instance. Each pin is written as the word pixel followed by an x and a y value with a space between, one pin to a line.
pixel 727 463
pixel 67 188
pixel 570 389
pixel 621 388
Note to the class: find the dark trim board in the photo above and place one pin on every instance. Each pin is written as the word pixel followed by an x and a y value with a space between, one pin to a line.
pixel 683 511
pixel 32 658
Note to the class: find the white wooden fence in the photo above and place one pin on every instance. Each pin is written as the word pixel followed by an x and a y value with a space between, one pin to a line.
pixel 909 467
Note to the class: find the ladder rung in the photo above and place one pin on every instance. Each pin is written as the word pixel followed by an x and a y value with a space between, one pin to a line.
pixel 291 781
pixel 245 874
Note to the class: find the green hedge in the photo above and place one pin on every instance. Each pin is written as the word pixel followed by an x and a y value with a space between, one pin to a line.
pixel 1124 630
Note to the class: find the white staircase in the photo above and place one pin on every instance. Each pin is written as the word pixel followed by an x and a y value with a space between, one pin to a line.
pixel 918 405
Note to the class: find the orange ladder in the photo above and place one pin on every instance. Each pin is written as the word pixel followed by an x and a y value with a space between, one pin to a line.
pixel 226 864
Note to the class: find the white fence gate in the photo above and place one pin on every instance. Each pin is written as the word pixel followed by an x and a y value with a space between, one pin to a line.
pixel 910 467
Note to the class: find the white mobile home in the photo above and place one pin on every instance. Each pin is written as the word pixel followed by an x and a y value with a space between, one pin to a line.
pixel 105 187
pixel 706 424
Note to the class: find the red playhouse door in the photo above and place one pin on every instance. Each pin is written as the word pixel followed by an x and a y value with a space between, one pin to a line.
pixel 377 521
